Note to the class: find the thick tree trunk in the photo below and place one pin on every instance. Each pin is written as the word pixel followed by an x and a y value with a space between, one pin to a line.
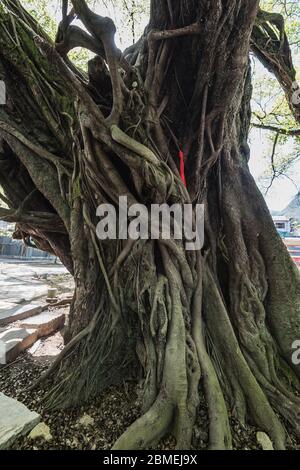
pixel 223 319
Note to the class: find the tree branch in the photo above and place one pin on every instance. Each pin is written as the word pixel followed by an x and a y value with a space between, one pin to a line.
pixel 273 164
pixel 270 44
pixel 77 37
pixel 194 28
pixel 64 9
pixel 278 130
pixel 103 30
pixel 40 220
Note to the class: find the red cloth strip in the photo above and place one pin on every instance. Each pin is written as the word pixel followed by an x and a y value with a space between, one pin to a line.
pixel 181 169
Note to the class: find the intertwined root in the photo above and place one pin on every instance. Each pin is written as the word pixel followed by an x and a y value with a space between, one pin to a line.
pixel 251 400
pixel 187 338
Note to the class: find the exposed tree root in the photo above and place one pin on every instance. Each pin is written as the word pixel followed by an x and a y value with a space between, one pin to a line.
pixel 219 429
pixel 219 326
pixel 150 428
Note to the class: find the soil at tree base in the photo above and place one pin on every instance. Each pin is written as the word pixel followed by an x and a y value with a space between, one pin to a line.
pixel 113 411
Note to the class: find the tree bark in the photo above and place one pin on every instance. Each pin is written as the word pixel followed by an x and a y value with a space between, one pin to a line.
pixel 221 320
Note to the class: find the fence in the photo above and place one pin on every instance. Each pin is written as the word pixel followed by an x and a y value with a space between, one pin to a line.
pixel 17 249
pixel 293 246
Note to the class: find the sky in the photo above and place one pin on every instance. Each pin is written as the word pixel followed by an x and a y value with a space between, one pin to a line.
pixel 261 142
pixel 282 190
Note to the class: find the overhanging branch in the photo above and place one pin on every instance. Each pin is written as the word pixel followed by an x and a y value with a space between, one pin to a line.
pixel 40 220
pixel 278 130
pixel 103 30
pixel 270 44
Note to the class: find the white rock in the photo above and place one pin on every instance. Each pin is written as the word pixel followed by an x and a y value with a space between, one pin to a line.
pixel 15 420
pixel 264 440
pixel 86 420
pixel 41 431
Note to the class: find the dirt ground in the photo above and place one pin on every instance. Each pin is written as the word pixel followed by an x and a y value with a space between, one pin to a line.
pixel 111 412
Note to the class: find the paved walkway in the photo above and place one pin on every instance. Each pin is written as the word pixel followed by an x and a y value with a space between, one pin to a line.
pixel 23 291
pixel 23 283
pixel 15 420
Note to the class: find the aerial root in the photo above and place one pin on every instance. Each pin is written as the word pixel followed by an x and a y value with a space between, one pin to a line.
pixel 149 428
pixel 219 428
pixel 220 327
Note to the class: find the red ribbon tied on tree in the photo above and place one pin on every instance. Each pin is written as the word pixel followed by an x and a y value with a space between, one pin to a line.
pixel 181 168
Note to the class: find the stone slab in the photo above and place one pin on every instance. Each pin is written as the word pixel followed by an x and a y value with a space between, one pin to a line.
pixel 17 289
pixel 15 340
pixel 46 323
pixel 15 420
pixel 10 313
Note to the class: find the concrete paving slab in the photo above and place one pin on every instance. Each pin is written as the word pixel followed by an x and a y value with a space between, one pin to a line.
pixel 46 323
pixel 23 282
pixel 15 340
pixel 10 313
pixel 21 290
pixel 15 420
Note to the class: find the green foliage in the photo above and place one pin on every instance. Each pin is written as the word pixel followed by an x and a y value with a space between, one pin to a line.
pixel 130 17
pixel 269 105
pixel 44 12
pixel 290 9
pixel 133 16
